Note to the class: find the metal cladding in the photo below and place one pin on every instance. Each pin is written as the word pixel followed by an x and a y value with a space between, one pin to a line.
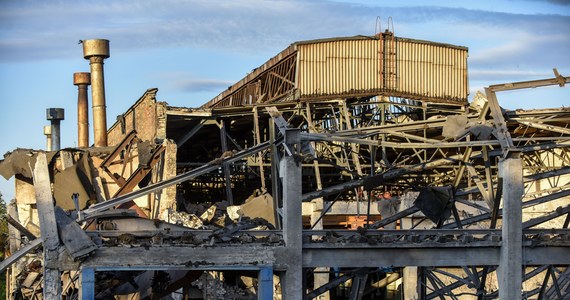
pixel 360 66
pixel 96 51
pixel 55 115
pixel 391 66
pixel 82 80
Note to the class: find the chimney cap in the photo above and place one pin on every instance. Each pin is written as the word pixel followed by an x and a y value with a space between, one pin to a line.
pixel 81 78
pixel 55 114
pixel 97 47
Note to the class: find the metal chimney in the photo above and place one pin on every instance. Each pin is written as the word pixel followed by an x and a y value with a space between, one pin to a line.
pixel 47 133
pixel 55 115
pixel 96 51
pixel 82 80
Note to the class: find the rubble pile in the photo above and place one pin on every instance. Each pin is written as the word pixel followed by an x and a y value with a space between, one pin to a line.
pixel 213 287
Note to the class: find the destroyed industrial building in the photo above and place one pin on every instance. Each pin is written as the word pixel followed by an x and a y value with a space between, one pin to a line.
pixel 271 190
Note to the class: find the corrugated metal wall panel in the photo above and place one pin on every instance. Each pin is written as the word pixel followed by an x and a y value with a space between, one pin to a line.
pixel 402 67
pixel 338 67
pixel 431 71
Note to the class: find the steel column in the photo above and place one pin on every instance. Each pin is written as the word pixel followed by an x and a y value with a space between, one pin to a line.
pixel 87 279
pixel 265 285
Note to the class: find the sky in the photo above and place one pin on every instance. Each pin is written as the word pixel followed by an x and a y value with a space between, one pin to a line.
pixel 193 50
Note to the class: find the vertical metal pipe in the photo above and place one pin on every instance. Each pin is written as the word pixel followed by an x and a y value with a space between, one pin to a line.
pixel 97 51
pixel 227 174
pixel 82 80
pixel 47 133
pixel 55 135
pixel 55 115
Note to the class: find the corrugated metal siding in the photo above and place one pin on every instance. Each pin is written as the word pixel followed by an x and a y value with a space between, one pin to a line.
pixel 339 67
pixel 431 71
pixel 400 67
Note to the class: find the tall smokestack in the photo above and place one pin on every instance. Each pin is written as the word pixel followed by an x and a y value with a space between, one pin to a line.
pixel 55 115
pixel 96 51
pixel 82 80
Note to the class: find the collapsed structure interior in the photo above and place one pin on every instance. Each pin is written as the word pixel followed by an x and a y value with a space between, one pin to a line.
pixel 269 190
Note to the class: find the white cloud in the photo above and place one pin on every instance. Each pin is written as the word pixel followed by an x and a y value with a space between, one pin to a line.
pixel 202 85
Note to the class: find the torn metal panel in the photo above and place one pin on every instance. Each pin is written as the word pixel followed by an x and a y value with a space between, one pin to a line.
pixel 435 203
pixel 74 179
pixel 75 240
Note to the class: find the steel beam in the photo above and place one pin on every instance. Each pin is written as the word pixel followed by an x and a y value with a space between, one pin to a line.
pixel 426 257
pixel 8 261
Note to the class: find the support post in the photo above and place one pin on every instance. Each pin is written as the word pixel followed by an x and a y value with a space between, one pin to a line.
pixel 510 268
pixel 290 173
pixel 265 285
pixel 227 175
pixel 411 283
pixel 87 279
pixel 275 187
pixel 258 141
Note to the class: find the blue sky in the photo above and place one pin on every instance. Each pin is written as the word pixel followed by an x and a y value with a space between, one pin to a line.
pixel 192 50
